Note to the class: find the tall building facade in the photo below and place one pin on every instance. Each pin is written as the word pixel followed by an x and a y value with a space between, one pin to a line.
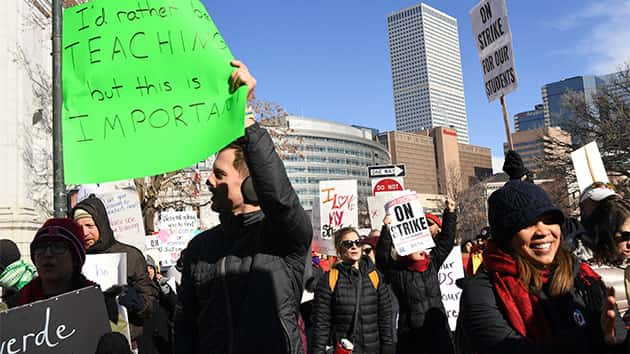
pixel 555 111
pixel 426 70
pixel 535 144
pixel 325 150
pixel 530 119
pixel 435 161
pixel 25 57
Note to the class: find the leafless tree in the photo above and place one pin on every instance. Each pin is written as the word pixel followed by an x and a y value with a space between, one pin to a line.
pixel 605 118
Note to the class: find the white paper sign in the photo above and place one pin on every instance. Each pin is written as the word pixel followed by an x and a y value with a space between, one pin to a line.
pixel 589 166
pixel 338 207
pixel 409 228
pixel 491 31
pixel 106 269
pixel 177 228
pixel 451 270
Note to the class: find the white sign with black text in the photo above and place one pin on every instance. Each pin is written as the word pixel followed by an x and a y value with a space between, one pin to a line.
pixel 451 270
pixel 493 38
pixel 409 227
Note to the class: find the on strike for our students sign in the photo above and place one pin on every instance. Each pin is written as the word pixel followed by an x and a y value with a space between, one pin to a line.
pixel 409 228
pixel 493 37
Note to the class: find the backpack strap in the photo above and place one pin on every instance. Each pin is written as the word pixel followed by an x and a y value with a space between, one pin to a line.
pixel 333 276
pixel 373 275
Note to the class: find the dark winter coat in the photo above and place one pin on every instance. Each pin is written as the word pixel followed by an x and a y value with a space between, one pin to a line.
pixel 158 330
pixel 137 276
pixel 333 311
pixel 242 280
pixel 422 321
pixel 483 327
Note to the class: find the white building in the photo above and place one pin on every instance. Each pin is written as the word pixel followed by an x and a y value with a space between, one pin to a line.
pixel 26 48
pixel 426 70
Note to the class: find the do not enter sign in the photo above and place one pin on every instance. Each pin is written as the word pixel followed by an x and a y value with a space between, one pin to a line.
pixel 389 184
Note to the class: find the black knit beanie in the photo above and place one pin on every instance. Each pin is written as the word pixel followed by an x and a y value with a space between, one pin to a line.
pixel 514 166
pixel 517 205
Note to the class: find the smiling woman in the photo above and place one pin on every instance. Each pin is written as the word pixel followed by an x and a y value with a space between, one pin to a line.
pixel 532 296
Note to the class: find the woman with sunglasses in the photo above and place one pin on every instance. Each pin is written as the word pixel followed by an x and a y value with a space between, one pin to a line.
pixel 609 229
pixel 352 303
pixel 58 252
pixel 422 324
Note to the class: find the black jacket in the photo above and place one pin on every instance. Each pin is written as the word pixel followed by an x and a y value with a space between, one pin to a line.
pixel 483 328
pixel 333 312
pixel 422 319
pixel 137 275
pixel 242 280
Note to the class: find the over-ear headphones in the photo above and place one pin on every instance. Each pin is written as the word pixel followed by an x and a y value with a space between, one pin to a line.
pixel 247 189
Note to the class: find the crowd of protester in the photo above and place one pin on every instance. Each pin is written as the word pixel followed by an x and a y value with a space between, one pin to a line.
pixel 536 281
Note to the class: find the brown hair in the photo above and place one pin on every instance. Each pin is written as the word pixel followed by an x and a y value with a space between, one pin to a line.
pixel 562 280
pixel 608 219
pixel 239 158
pixel 339 234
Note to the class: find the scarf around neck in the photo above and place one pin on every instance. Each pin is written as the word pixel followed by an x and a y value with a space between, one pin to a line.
pixel 522 307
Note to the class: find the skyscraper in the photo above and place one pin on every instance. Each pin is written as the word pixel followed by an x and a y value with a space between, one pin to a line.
pixel 556 113
pixel 426 70
pixel 530 119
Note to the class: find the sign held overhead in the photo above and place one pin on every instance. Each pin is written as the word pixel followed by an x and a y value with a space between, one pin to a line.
pixel 493 38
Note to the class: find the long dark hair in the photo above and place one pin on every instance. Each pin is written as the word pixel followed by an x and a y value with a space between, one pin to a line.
pixel 606 220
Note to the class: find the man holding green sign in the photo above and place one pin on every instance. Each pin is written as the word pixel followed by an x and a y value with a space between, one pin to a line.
pixel 144 89
pixel 242 280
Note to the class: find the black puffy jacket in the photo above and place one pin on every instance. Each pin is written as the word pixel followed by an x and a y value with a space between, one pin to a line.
pixel 422 320
pixel 242 280
pixel 482 326
pixel 137 275
pixel 333 311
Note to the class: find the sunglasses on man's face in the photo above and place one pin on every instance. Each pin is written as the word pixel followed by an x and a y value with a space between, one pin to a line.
pixel 623 237
pixel 56 248
pixel 347 244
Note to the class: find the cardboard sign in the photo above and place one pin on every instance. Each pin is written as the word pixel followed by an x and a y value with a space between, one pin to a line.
pixel 451 270
pixel 589 166
pixel 338 207
pixel 66 324
pixel 123 210
pixel 139 80
pixel 409 228
pixel 491 31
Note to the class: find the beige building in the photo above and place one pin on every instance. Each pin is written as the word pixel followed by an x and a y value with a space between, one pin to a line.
pixel 536 144
pixel 417 152
pixel 435 161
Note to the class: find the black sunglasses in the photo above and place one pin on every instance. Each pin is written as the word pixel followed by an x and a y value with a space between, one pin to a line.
pixel 623 237
pixel 56 248
pixel 347 244
pixel 367 251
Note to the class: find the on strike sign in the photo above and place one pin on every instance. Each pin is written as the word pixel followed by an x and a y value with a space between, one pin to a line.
pixel 409 228
pixel 494 45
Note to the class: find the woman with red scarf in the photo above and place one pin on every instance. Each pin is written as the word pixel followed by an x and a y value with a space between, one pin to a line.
pixel 530 295
pixel 422 322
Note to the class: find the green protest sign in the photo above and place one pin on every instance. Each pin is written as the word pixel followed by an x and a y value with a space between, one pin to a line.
pixel 145 89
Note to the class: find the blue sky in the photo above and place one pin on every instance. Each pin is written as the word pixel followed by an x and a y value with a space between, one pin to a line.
pixel 330 59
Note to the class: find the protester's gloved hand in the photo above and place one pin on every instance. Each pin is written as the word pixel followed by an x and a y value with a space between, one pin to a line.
pixel 164 287
pixel 110 302
pixel 130 298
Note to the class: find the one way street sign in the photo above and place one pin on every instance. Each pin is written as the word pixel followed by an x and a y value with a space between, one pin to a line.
pixel 386 171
